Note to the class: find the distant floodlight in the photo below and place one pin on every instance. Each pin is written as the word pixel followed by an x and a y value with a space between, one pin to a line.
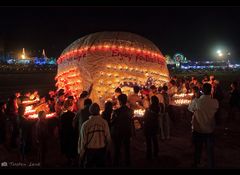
pixel 219 51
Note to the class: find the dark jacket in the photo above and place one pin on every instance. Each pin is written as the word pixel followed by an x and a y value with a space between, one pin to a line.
pixel 107 116
pixel 41 131
pixel 67 133
pixel 2 127
pixel 82 116
pixel 121 123
pixel 234 98
pixel 151 124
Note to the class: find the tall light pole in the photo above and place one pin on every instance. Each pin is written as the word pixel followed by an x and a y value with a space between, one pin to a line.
pixel 224 55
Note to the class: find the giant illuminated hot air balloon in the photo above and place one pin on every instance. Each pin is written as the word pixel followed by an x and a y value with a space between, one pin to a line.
pixel 107 60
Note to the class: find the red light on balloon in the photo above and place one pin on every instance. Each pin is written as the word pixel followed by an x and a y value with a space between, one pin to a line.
pixel 113 47
pixel 93 48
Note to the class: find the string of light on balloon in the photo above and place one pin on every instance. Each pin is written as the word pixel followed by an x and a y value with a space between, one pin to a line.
pixel 69 80
pixel 130 50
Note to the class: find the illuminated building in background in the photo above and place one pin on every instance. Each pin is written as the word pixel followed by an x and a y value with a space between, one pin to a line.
pixel 106 60
pixel 24 59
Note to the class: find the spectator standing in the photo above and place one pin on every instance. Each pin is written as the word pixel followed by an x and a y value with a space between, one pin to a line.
pixel 107 113
pixel 3 107
pixel 80 103
pixel 12 113
pixel 117 92
pixel 94 139
pixel 83 114
pixel 42 137
pixel 164 118
pixel 66 132
pixel 234 100
pixel 203 124
pixel 121 130
pixel 25 133
pixel 151 126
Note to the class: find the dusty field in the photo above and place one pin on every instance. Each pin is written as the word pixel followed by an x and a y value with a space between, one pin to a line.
pixel 176 153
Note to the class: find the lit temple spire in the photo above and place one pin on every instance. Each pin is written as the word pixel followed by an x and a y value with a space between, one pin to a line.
pixel 44 54
pixel 23 54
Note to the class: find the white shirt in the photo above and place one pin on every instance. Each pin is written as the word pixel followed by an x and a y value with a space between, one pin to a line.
pixel 94 134
pixel 204 109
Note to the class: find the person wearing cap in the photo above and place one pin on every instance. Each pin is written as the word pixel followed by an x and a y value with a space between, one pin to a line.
pixel 94 139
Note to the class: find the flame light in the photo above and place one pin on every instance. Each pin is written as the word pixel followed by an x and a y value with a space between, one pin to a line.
pixel 35 116
pixel 29 110
pixel 27 102
pixel 182 99
pixel 183 95
pixel 139 112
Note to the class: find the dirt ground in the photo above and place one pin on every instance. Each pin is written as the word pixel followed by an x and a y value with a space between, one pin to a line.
pixel 176 153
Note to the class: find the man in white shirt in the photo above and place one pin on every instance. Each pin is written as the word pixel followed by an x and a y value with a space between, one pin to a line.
pixel 203 124
pixel 94 139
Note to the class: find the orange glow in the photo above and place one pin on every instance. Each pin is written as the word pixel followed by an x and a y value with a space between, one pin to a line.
pixel 29 110
pixel 106 46
pixel 93 48
pixel 35 116
pixel 30 101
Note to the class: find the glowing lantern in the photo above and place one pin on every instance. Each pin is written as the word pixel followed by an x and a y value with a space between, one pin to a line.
pixel 115 59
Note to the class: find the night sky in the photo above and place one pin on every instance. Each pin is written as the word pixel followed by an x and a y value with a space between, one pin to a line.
pixel 194 31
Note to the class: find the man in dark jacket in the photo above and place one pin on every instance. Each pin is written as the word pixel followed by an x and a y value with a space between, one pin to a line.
pixel 83 114
pixel 121 129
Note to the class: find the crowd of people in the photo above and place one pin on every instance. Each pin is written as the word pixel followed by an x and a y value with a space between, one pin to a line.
pixel 91 137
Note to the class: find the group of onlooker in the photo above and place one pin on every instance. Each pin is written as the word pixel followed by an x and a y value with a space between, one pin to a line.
pixel 90 137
